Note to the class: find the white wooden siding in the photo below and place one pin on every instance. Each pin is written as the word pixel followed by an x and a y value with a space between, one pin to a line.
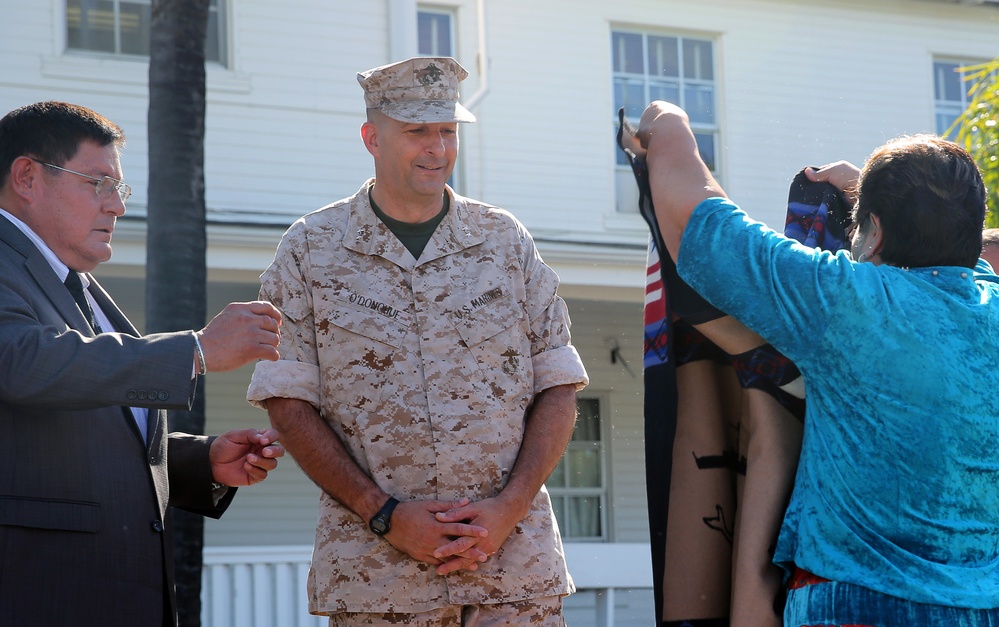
pixel 800 82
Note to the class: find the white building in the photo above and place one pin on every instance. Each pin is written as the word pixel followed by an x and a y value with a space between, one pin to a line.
pixel 772 85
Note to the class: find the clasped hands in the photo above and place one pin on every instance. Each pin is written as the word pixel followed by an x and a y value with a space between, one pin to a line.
pixel 452 535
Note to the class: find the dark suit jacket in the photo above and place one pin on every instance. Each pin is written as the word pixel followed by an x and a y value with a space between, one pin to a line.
pixel 83 500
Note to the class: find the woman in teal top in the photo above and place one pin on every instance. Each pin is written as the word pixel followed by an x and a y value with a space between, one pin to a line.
pixel 894 517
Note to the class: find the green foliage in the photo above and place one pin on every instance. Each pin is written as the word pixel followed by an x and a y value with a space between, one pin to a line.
pixel 977 129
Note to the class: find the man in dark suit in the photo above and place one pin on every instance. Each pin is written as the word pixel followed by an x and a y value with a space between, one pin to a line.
pixel 87 468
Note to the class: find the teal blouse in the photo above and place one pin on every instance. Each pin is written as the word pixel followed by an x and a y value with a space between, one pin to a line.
pixel 897 489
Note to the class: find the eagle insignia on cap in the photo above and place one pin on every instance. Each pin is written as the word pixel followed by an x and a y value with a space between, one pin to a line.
pixel 430 74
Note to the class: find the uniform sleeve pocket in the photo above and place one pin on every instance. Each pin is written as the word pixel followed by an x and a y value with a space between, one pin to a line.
pixel 50 514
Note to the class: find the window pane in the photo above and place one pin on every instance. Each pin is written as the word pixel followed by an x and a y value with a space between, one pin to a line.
pixel 706 146
pixel 90 25
pixel 587 421
pixel 558 506
pixel 619 156
pixel 215 36
pixel 627 52
pixel 699 103
pixel 133 21
pixel 663 90
pixel 584 467
pixel 664 57
pixel 584 517
pixel 947 83
pixel 945 117
pixel 630 94
pixel 697 62
pixel 557 478
pixel 433 34
pixel 424 33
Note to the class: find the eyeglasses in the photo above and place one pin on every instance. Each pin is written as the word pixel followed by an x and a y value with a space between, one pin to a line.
pixel 104 184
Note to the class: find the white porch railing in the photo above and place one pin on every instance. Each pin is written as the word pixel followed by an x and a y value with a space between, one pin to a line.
pixel 257 586
pixel 266 586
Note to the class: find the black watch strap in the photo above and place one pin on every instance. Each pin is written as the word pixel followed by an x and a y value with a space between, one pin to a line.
pixel 380 523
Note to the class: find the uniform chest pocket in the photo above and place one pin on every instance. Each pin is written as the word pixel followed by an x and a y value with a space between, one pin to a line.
pixel 496 336
pixel 476 324
pixel 371 319
pixel 361 343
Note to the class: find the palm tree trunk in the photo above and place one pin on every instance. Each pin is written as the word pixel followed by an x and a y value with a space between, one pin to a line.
pixel 175 257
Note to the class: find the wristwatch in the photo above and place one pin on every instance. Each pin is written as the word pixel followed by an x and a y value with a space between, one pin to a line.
pixel 380 523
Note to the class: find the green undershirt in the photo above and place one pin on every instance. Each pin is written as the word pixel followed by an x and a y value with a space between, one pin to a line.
pixel 413 236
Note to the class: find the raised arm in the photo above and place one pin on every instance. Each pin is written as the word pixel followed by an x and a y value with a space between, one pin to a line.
pixel 679 178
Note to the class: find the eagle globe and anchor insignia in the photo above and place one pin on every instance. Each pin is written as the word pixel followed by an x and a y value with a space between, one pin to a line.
pixel 430 75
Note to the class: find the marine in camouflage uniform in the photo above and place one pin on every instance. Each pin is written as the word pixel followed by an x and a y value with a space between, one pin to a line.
pixel 430 372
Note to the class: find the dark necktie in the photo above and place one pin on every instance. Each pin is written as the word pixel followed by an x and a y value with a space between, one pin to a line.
pixel 75 286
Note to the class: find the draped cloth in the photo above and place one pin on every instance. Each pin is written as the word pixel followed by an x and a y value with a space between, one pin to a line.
pixel 722 432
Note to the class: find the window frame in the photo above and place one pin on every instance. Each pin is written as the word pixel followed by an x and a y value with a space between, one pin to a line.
pixel 565 493
pixel 943 106
pixel 452 35
pixel 451 13
pixel 684 83
pixel 223 35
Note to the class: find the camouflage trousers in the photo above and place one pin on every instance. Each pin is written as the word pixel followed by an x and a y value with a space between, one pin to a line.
pixel 543 612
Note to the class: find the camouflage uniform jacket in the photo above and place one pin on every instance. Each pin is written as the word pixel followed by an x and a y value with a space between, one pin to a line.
pixel 425 370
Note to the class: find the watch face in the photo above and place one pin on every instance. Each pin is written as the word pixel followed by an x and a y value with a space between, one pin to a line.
pixel 379 525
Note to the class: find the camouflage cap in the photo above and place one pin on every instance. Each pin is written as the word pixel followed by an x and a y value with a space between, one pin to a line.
pixel 421 89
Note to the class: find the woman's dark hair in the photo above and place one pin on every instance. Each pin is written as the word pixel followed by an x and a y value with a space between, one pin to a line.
pixel 929 196
pixel 52 132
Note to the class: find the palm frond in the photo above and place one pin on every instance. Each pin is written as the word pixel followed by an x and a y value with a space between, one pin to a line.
pixel 977 128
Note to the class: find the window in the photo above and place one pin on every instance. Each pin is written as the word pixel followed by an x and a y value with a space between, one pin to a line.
pixel 122 27
pixel 435 34
pixel 950 92
pixel 649 66
pixel 577 483
pixel 435 38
